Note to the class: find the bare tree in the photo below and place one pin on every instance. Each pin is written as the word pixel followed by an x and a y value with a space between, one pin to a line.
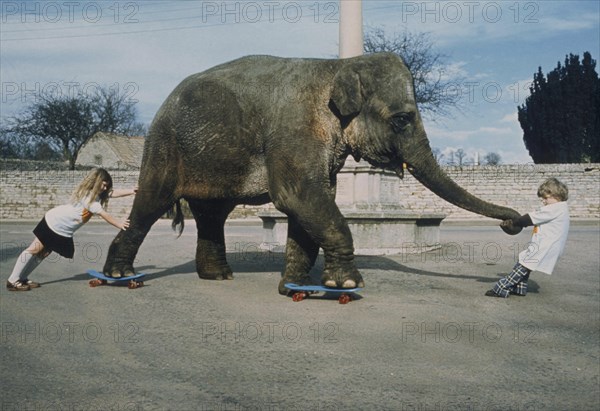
pixel 433 89
pixel 450 160
pixel 460 155
pixel 64 123
pixel 492 159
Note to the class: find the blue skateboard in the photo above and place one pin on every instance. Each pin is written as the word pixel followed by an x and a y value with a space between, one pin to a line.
pixel 134 281
pixel 301 292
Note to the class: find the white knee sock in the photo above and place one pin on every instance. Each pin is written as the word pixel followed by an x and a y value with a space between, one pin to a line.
pixel 25 264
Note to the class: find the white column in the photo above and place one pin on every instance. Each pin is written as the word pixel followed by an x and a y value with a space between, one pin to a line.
pixel 351 45
pixel 351 32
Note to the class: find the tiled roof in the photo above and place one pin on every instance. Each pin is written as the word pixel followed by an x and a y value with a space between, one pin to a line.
pixel 128 149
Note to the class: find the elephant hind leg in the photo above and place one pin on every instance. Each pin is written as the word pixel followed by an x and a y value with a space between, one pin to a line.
pixel 211 261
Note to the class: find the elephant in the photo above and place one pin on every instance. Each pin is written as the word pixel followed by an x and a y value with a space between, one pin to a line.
pixel 265 129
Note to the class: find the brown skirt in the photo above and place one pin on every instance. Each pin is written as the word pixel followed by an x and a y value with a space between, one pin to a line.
pixel 54 242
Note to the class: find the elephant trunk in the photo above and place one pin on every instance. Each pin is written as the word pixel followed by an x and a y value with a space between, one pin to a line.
pixel 423 166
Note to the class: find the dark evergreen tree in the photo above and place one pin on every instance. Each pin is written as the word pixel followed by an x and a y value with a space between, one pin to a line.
pixel 561 117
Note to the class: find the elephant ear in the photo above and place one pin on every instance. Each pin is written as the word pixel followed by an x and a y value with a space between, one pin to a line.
pixel 346 93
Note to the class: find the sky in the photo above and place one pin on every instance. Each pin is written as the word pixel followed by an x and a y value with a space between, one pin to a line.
pixel 144 49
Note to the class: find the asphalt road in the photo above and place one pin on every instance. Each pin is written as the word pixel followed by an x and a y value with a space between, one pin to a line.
pixel 422 337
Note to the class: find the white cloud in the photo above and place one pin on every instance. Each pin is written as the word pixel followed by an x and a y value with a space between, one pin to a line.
pixel 582 21
pixel 510 118
pixel 440 134
pixel 494 130
pixel 454 70
pixel 436 134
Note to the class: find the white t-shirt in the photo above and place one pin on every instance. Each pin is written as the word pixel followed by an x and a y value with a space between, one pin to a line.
pixel 64 220
pixel 551 226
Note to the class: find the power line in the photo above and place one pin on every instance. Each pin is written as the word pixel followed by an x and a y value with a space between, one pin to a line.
pixel 88 23
pixel 271 19
pixel 127 4
pixel 96 25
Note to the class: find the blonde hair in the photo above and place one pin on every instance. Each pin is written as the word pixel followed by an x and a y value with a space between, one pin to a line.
pixel 553 188
pixel 91 187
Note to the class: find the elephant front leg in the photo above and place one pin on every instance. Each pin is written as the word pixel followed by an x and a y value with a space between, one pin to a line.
pixel 340 269
pixel 301 254
pixel 211 261
pixel 323 222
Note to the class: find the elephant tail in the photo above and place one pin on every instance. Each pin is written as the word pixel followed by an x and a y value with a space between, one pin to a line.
pixel 178 222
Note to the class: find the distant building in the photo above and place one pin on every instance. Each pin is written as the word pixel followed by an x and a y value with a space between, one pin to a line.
pixel 112 151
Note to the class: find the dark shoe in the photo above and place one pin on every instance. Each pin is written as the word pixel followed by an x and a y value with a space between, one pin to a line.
pixel 31 284
pixel 491 293
pixel 17 286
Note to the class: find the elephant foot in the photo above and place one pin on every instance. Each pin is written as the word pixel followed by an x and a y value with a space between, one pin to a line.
pixel 342 279
pixel 346 284
pixel 216 275
pixel 303 279
pixel 120 272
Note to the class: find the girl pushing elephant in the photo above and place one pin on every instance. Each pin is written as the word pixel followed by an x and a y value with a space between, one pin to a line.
pixel 55 231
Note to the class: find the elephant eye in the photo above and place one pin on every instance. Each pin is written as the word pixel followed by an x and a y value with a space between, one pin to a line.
pixel 401 120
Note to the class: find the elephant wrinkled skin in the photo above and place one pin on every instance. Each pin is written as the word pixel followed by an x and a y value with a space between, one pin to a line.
pixel 262 129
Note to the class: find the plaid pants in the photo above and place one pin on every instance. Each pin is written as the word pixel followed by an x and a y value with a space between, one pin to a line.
pixel 515 282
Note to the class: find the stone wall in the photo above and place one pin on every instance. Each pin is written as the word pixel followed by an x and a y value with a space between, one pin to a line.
pixel 27 193
pixel 514 186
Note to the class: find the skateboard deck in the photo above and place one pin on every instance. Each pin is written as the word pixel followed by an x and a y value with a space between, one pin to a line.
pixel 301 292
pixel 134 281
